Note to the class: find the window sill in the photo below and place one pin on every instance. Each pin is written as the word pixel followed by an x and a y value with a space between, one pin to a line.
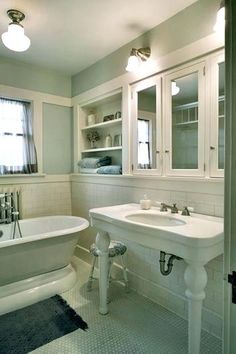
pixel 22 175
pixel 34 178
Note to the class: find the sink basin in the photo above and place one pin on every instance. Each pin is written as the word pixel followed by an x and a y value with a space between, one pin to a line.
pixel 186 236
pixel 154 219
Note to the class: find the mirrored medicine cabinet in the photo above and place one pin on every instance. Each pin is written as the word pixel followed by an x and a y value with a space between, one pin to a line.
pixel 178 121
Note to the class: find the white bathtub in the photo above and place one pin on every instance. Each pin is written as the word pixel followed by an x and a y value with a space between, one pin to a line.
pixel 37 265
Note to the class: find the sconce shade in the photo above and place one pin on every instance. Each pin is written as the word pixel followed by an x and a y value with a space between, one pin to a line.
pixel 137 56
pixel 133 63
pixel 15 38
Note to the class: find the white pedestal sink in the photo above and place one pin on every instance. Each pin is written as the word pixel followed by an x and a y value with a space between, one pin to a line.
pixel 196 238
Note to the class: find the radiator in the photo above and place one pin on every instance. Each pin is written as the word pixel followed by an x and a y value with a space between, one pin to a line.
pixel 10 201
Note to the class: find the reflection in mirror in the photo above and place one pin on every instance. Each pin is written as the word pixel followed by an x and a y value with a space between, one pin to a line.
pixel 185 123
pixel 221 116
pixel 146 125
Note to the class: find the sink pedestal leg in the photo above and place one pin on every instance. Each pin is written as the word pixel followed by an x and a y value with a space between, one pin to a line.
pixel 102 243
pixel 195 277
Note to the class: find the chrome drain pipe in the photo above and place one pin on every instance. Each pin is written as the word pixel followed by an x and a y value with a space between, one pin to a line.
pixel 162 262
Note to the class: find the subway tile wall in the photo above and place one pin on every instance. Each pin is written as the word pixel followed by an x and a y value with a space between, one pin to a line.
pixel 42 199
pixel 46 199
pixel 143 263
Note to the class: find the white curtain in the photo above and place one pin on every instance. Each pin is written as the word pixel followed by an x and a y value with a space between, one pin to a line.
pixel 143 144
pixel 17 150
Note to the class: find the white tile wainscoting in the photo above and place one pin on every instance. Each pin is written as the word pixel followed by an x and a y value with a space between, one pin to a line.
pixel 41 195
pixel 143 263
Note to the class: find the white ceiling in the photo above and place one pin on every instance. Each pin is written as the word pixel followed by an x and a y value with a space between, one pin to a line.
pixel 70 35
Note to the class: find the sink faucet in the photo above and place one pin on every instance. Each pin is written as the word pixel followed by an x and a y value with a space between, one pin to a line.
pixel 173 208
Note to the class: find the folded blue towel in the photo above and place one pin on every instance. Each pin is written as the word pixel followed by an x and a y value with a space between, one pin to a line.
pixel 110 170
pixel 94 162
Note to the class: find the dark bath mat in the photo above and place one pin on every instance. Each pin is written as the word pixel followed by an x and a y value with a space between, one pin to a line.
pixel 26 329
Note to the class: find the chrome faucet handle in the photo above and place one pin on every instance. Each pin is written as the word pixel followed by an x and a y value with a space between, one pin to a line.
pixel 186 211
pixel 174 209
pixel 163 207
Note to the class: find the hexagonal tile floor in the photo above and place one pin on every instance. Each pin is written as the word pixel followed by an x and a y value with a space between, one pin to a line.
pixel 134 325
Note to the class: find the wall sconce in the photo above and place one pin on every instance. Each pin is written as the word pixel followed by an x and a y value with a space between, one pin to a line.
pixel 174 88
pixel 15 38
pixel 137 56
pixel 220 18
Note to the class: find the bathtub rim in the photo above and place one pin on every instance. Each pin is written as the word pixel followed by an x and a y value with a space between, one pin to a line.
pixel 36 237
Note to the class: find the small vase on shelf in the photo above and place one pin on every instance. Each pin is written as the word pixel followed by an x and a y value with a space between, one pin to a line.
pixel 93 136
pixel 108 141
pixel 92 143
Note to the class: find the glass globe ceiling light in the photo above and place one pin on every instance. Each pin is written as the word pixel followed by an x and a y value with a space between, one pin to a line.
pixel 15 38
pixel 220 18
pixel 137 56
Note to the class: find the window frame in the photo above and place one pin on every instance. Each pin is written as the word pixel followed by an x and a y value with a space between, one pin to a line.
pixel 17 94
pixel 31 102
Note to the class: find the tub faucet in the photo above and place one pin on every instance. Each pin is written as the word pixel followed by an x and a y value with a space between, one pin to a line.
pixel 173 208
pixel 5 212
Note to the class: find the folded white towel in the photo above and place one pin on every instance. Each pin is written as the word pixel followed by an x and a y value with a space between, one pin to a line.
pixel 88 170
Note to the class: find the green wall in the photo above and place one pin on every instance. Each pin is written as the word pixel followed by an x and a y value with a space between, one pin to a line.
pixel 193 23
pixel 57 139
pixel 17 74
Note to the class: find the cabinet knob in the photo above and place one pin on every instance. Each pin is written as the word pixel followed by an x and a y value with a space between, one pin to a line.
pixel 212 148
pixel 166 151
pixel 158 152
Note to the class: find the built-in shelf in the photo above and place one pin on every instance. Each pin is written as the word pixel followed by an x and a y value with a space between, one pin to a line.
pixel 103 149
pixel 103 124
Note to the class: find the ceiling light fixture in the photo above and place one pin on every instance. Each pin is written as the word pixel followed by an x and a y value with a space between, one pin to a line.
pixel 174 88
pixel 15 38
pixel 220 18
pixel 137 56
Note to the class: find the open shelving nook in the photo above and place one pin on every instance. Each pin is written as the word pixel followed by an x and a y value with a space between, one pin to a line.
pixel 107 112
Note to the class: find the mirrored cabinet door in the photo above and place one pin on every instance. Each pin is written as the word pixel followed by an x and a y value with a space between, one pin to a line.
pixel 221 115
pixel 146 125
pixel 184 121
pixel 217 130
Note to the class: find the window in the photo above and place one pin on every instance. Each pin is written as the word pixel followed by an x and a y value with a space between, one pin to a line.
pixel 17 149
pixel 144 160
